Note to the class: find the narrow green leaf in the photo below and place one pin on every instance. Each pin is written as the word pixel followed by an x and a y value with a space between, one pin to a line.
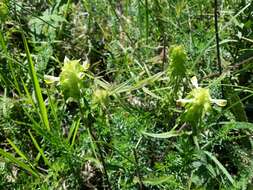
pixel 39 149
pixel 221 167
pixel 53 108
pixel 42 107
pixel 166 134
pixel 147 91
pixel 29 97
pixel 236 125
pixel 147 81
pixel 18 162
pixel 18 151
pixel 77 124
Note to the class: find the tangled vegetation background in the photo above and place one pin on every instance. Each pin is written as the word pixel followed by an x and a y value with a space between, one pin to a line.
pixel 126 94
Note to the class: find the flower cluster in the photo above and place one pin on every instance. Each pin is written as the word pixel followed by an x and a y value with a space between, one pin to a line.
pixel 198 103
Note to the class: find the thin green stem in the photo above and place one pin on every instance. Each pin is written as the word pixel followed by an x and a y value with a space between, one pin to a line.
pixel 89 124
pixel 146 20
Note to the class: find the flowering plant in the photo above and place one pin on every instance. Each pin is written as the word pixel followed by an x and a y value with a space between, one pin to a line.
pixel 198 103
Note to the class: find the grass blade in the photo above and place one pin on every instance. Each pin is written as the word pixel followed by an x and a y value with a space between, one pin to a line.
pixel 10 63
pixel 39 149
pixel 18 151
pixel 42 107
pixel 18 162
pixel 222 168
pixel 73 131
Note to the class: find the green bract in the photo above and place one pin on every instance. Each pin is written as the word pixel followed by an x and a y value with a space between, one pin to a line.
pixel 71 79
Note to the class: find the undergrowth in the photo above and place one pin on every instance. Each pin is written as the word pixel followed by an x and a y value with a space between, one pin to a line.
pixel 131 94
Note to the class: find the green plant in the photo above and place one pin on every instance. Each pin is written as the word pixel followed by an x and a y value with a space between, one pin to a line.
pixel 100 95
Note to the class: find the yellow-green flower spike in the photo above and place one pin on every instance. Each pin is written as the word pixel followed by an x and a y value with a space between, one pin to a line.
pixel 176 71
pixel 71 78
pixel 177 61
pixel 198 103
pixel 199 106
pixel 201 97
